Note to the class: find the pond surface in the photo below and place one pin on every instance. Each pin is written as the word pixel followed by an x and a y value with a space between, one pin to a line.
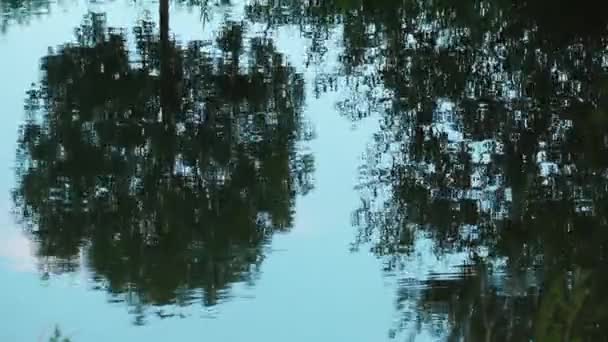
pixel 304 170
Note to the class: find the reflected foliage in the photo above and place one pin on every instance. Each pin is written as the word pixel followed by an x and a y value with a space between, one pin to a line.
pixel 20 12
pixel 168 168
pixel 170 172
pixel 493 143
pixel 58 336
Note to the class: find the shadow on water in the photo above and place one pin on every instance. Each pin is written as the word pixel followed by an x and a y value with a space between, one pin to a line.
pixel 167 169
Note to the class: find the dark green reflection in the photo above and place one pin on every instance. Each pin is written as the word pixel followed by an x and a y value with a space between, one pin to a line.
pixel 169 170
pixel 493 142
pixel 21 12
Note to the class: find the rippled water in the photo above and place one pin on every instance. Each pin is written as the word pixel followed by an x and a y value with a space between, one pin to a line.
pixel 304 170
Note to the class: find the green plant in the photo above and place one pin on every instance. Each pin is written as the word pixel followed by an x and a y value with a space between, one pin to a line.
pixel 58 337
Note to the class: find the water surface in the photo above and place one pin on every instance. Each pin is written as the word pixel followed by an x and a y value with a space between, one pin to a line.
pixel 286 170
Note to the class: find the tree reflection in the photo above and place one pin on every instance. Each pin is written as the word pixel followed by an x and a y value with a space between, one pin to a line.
pixel 21 12
pixel 493 142
pixel 172 172
pixel 169 173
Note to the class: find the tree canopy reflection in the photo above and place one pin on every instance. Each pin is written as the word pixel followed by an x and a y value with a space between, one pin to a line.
pixel 493 143
pixel 169 172
pixel 21 12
